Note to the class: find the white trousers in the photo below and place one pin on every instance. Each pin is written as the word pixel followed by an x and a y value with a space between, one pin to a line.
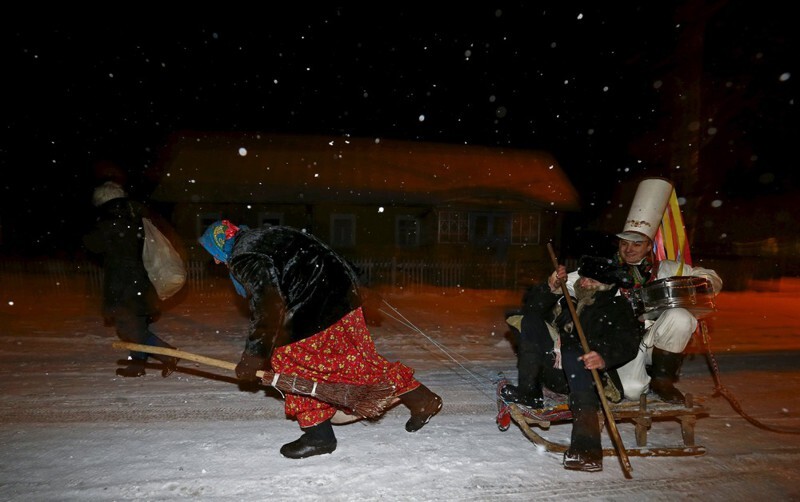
pixel 670 332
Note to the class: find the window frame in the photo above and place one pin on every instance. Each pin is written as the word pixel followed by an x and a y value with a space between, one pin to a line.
pixel 399 232
pixel 335 240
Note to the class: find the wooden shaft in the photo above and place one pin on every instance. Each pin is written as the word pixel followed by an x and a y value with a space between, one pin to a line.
pixel 612 425
pixel 180 354
pixel 366 400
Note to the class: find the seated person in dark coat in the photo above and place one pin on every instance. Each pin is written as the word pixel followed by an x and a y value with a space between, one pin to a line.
pixel 549 350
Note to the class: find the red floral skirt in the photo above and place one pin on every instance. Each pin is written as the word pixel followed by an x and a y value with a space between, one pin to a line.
pixel 342 353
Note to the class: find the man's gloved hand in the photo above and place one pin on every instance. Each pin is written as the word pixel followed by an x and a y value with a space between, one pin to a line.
pixel 248 365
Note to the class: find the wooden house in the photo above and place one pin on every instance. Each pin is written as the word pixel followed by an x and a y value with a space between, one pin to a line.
pixel 370 197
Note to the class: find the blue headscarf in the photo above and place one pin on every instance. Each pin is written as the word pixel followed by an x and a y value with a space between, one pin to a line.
pixel 218 240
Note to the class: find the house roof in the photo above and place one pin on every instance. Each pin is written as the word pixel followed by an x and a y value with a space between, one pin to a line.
pixel 252 167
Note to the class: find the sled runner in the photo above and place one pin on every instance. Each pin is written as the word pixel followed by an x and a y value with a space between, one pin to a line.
pixel 642 413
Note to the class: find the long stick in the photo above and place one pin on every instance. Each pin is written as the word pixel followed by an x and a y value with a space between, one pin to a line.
pixel 365 400
pixel 612 425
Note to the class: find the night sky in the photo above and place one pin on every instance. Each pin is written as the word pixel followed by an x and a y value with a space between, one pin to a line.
pixel 588 83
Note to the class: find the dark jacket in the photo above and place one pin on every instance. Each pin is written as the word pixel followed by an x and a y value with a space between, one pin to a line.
pixel 609 324
pixel 297 286
pixel 118 236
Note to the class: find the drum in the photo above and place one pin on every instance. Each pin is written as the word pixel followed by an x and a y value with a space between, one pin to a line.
pixel 695 294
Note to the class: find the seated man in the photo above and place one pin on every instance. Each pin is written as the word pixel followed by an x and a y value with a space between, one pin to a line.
pixel 549 350
pixel 666 337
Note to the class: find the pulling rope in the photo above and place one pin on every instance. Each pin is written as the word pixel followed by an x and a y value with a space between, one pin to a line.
pixel 405 322
pixel 721 390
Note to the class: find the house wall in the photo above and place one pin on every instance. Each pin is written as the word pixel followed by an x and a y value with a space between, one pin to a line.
pixel 375 232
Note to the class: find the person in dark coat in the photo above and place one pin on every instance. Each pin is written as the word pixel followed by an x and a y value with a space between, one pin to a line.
pixel 549 350
pixel 130 301
pixel 307 320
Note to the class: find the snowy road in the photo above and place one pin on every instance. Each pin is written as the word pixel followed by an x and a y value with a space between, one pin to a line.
pixel 72 430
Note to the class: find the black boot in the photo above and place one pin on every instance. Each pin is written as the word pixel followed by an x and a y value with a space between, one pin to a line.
pixel 585 451
pixel 423 404
pixel 576 461
pixel 529 391
pixel 316 440
pixel 170 363
pixel 532 398
pixel 135 368
pixel 530 364
pixel 664 375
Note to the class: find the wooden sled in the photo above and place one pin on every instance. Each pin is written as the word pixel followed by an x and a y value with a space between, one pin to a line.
pixel 642 413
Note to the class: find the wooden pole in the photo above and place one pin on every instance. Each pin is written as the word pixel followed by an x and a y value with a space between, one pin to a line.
pixel 612 424
pixel 369 400
pixel 180 354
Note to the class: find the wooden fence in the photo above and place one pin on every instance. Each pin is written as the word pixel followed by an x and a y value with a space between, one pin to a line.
pixel 51 275
pixel 205 275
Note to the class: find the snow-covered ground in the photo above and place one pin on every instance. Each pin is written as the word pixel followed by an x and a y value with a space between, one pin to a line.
pixel 72 430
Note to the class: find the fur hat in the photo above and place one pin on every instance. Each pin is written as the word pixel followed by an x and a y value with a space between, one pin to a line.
pixel 107 191
pixel 605 270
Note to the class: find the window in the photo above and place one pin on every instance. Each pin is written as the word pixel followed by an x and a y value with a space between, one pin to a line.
pixel 453 227
pixel 525 228
pixel 489 228
pixel 343 230
pixel 407 231
pixel 271 218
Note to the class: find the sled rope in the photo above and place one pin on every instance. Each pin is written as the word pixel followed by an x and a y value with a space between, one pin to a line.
pixel 407 323
pixel 721 390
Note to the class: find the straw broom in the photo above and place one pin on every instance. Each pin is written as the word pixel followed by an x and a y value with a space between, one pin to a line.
pixel 368 401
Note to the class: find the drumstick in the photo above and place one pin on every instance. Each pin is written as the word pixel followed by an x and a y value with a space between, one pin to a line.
pixel 612 424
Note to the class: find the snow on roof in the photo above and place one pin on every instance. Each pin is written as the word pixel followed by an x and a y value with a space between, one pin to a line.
pixel 251 167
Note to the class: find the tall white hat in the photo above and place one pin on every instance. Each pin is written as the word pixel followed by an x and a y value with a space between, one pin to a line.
pixel 647 209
